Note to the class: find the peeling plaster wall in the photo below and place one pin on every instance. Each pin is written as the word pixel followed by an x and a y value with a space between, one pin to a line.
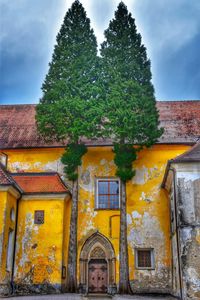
pixel 147 209
pixel 3 240
pixel 189 232
pixel 98 162
pixel 148 216
pixel 7 203
pixel 176 284
pixel 190 256
pixel 3 197
pixel 66 229
pixel 35 160
pixel 39 257
pixel 149 220
pixel 145 232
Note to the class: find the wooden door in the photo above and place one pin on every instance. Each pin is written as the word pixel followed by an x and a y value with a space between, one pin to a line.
pixel 97 276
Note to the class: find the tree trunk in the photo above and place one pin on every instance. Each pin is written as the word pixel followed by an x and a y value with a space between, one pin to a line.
pixel 124 284
pixel 72 250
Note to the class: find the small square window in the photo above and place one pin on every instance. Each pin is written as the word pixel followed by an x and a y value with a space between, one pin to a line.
pixel 39 217
pixel 144 258
pixel 107 193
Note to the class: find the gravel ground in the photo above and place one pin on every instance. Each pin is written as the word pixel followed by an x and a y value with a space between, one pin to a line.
pixel 79 297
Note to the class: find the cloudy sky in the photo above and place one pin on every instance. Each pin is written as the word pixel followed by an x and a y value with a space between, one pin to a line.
pixel 170 30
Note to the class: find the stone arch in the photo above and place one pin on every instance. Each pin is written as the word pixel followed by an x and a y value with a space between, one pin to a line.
pixel 97 246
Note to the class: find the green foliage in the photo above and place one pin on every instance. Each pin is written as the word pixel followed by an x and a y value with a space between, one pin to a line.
pixel 70 118
pixel 131 116
pixel 74 59
pixel 125 155
pixel 72 159
pixel 69 105
pixel 123 51
pixel 81 87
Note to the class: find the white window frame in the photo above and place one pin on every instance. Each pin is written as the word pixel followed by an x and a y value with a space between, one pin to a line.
pixel 106 179
pixel 152 259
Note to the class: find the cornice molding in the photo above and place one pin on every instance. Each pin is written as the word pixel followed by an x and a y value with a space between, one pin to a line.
pixel 10 189
pixel 64 196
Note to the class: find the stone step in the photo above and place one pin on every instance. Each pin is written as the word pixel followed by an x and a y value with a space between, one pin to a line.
pixel 97 296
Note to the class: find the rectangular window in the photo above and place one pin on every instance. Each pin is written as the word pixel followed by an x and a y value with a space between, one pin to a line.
pixel 107 196
pixel 39 217
pixel 144 258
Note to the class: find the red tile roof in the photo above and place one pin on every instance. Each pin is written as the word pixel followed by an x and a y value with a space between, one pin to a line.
pixel 32 183
pixel 18 127
pixel 5 178
pixel 180 119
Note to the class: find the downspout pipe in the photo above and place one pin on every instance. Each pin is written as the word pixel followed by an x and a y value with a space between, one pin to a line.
pixel 177 227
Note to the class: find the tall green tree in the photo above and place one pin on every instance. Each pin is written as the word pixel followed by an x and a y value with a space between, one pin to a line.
pixel 68 109
pixel 130 109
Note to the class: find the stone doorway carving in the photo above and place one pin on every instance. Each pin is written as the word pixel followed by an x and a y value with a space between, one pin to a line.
pixel 97 261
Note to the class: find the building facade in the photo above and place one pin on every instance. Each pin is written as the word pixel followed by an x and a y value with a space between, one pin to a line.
pixel 162 210
pixel 182 181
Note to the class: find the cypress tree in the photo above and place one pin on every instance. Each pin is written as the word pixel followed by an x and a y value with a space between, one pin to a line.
pixel 68 109
pixel 130 109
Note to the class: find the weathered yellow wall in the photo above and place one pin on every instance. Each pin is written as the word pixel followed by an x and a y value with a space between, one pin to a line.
pixel 39 247
pixel 66 230
pixel 98 162
pixel 149 216
pixel 7 203
pixel 148 207
pixel 34 160
pixel 3 240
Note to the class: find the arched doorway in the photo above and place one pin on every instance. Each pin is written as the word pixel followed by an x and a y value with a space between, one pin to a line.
pixel 97 266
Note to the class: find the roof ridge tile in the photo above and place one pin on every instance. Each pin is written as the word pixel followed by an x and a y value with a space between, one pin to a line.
pixel 180 120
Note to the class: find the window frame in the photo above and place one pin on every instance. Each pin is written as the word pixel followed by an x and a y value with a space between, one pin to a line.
pixel 36 217
pixel 106 179
pixel 152 259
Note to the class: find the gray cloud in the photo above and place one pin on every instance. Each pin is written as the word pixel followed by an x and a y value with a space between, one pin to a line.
pixel 28 31
pixel 170 30
pixel 167 22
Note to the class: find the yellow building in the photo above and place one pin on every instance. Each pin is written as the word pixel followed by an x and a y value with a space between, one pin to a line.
pixel 35 208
